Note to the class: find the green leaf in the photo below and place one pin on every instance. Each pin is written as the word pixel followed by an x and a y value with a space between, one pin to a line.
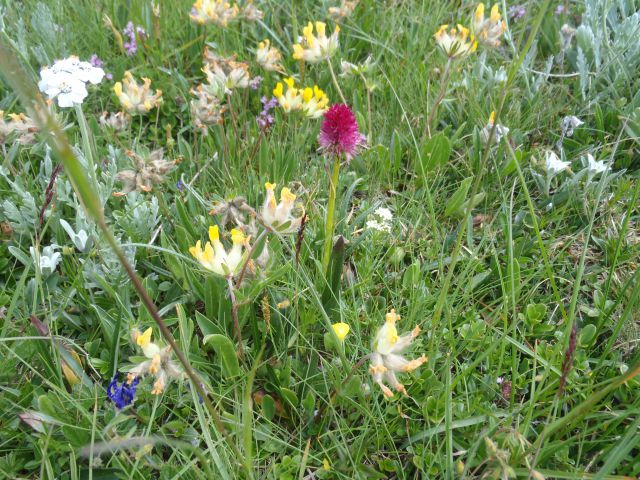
pixel 226 351
pixel 587 334
pixel 435 152
pixel 268 407
pixel 456 202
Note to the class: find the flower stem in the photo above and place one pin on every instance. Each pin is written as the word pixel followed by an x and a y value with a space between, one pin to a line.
pixel 441 94
pixel 329 225
pixel 335 81
pixel 234 315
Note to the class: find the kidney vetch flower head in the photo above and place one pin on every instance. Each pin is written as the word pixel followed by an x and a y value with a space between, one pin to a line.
pixel 206 109
pixel 386 358
pixel 148 170
pixel 19 128
pixel 225 74
pixel 215 258
pixel 268 57
pixel 489 30
pixel 339 134
pixel 313 102
pixel 159 362
pixel 314 49
pixel 219 12
pixel 455 42
pixel 281 216
pixel 136 98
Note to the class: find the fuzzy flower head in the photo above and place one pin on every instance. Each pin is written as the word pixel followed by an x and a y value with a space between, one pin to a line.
pixel 206 109
pixel 117 122
pixel 489 30
pixel 313 49
pixel 268 57
pixel 251 13
pixel 136 98
pixel 225 74
pixel 339 133
pixel 313 102
pixel 455 42
pixel 219 12
pixel 148 170
pixel 285 216
pixel 159 362
pixel 386 358
pixel 19 128
pixel 215 257
pixel 344 10
pixel 569 124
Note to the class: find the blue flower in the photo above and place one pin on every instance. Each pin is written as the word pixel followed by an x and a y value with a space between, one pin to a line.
pixel 122 395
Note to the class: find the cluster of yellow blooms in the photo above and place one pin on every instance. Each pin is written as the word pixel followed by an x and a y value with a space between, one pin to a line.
pixel 312 102
pixel 280 216
pixel 215 257
pixel 136 98
pixel 219 12
pixel 314 49
pixel 268 57
pixel 458 41
pixel 159 362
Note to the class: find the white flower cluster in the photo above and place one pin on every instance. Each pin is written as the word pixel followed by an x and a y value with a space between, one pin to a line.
pixel 381 220
pixel 66 80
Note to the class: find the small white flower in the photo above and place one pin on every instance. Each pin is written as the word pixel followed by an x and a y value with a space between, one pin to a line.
pixel 48 259
pixel 80 240
pixel 380 220
pixel 384 213
pixel 569 123
pixel 553 164
pixel 596 166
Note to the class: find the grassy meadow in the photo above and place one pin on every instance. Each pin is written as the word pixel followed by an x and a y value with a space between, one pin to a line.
pixel 319 240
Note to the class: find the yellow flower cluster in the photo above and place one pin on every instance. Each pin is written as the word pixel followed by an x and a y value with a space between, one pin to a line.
pixel 136 98
pixel 280 216
pixel 489 30
pixel 159 362
pixel 455 42
pixel 314 49
pixel 313 102
pixel 219 12
pixel 215 257
pixel 268 57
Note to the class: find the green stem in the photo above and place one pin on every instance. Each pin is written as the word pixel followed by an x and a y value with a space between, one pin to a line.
pixel 443 91
pixel 335 81
pixel 329 225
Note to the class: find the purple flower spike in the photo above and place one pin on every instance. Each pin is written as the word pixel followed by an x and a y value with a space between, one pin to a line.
pixel 122 395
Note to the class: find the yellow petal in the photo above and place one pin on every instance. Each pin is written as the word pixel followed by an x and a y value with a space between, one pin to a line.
pixel 237 237
pixel 214 233
pixel 341 329
pixel 144 339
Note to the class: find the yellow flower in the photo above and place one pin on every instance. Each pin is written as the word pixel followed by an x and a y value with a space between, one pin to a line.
pixel 489 30
pixel 341 329
pixel 455 42
pixel 159 362
pixel 314 49
pixel 225 74
pixel 268 57
pixel 313 102
pixel 215 258
pixel 136 98
pixel 219 12
pixel 280 216
pixel 386 358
